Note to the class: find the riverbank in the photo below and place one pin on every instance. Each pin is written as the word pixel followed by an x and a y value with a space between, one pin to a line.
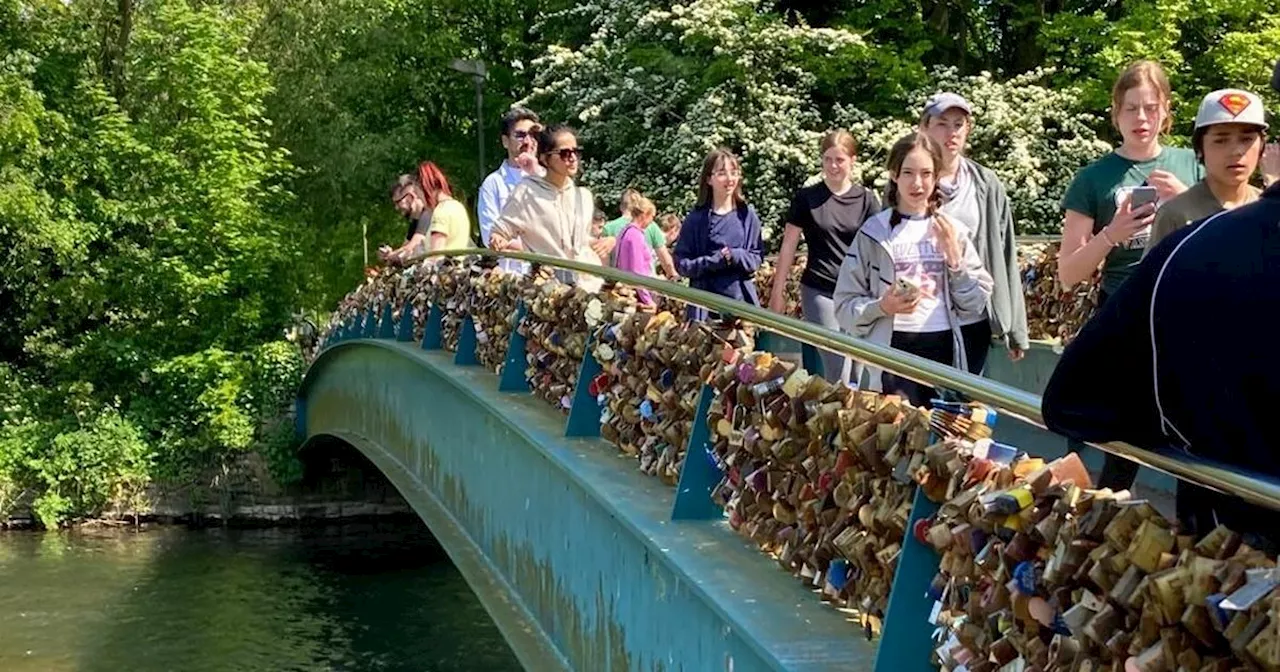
pixel 338 485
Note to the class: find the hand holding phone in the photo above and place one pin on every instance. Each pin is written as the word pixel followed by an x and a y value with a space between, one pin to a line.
pixel 1136 212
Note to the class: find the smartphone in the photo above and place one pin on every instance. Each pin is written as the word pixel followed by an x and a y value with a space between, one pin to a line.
pixel 1141 196
pixel 906 289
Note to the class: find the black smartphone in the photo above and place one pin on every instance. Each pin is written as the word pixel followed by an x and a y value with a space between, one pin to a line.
pixel 1141 196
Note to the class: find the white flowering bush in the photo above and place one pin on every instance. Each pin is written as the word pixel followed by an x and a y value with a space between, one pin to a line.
pixel 1034 137
pixel 655 88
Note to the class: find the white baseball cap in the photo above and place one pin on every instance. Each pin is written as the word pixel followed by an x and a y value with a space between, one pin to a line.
pixel 1231 106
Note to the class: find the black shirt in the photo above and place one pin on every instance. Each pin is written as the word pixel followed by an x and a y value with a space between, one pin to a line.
pixel 829 222
pixel 1179 357
pixel 420 224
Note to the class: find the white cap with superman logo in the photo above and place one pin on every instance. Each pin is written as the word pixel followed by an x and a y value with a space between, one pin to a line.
pixel 1231 106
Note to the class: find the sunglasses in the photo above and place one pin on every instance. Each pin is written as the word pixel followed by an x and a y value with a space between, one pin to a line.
pixel 521 135
pixel 567 153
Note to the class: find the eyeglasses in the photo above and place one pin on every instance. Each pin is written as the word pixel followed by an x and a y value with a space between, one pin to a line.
pixel 567 153
pixel 521 135
pixel 727 173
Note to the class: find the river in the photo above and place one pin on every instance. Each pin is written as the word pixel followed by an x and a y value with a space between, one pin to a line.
pixel 354 598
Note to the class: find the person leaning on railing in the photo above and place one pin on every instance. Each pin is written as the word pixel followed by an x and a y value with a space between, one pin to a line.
pixel 520 142
pixel 437 221
pixel 911 275
pixel 550 214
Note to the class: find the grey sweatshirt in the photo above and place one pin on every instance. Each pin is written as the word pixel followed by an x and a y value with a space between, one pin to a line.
pixel 868 271
pixel 998 250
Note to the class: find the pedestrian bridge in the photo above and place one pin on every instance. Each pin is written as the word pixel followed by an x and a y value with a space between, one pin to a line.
pixel 584 562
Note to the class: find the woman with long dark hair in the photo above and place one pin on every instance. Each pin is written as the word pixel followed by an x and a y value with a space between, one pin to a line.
pixel 550 214
pixel 720 244
pixel 911 275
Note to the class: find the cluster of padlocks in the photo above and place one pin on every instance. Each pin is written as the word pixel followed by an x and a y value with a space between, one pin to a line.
pixel 1036 569
pixel 1054 312
pixel 812 474
pixel 1036 566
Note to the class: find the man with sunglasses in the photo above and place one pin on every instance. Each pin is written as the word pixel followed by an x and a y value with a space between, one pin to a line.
pixel 519 138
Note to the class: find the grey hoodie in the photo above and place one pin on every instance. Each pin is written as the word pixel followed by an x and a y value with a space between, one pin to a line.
pixel 550 220
pixel 999 253
pixel 867 271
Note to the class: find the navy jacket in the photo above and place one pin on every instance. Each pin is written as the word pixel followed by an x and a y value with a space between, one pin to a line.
pixel 698 254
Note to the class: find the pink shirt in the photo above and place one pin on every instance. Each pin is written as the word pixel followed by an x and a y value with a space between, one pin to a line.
pixel 633 255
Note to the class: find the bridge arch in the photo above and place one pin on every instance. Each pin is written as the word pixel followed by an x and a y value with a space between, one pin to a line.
pixel 573 555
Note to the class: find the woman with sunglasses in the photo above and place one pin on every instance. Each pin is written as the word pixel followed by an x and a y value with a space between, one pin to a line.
pixel 549 214
pixel 720 246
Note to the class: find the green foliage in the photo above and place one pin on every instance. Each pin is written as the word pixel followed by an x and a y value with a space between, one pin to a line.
pixel 1203 45
pixel 176 182
pixel 363 91
pixel 144 256
pixel 656 88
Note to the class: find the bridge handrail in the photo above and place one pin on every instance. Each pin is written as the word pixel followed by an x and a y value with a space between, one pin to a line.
pixel 1008 400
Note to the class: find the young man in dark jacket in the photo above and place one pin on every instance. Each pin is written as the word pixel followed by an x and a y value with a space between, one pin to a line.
pixel 1188 329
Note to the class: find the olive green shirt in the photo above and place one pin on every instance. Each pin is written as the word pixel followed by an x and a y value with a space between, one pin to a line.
pixel 1192 205
pixel 1098 188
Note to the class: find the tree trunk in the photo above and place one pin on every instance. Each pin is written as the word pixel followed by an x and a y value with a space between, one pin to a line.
pixel 115 46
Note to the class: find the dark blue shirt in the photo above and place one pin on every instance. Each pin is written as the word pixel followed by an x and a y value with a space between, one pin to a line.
pixel 699 256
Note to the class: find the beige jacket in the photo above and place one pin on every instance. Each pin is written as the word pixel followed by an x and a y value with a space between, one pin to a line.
pixel 552 221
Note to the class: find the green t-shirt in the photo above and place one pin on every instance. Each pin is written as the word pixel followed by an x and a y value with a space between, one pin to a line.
pixel 652 234
pixel 1097 189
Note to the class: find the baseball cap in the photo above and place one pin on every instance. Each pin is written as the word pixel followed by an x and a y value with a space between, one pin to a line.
pixel 942 102
pixel 1231 106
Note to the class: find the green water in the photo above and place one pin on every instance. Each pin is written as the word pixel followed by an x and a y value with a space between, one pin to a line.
pixel 352 598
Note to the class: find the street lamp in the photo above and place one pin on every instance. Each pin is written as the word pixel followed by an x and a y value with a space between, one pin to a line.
pixel 477 71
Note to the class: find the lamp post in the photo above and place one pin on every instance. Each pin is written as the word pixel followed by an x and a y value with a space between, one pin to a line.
pixel 477 71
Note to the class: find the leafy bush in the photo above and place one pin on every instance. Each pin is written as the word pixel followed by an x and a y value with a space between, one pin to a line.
pixel 657 88
pixel 145 258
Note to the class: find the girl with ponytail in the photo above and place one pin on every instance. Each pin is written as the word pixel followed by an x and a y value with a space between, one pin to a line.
pixel 911 275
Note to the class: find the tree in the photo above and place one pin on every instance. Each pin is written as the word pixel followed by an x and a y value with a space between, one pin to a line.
pixel 655 89
pixel 140 249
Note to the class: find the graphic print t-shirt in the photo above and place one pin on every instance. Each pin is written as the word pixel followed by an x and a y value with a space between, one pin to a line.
pixel 917 258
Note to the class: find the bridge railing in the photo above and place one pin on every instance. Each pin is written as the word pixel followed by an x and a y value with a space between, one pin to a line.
pixel 1005 399
pixel 901 646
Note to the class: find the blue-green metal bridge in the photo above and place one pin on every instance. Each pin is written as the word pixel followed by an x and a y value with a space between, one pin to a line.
pixel 584 562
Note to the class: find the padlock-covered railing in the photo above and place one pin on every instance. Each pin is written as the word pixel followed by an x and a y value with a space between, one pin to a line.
pixel 853 491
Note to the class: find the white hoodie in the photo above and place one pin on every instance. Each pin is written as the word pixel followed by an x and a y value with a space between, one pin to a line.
pixel 552 221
